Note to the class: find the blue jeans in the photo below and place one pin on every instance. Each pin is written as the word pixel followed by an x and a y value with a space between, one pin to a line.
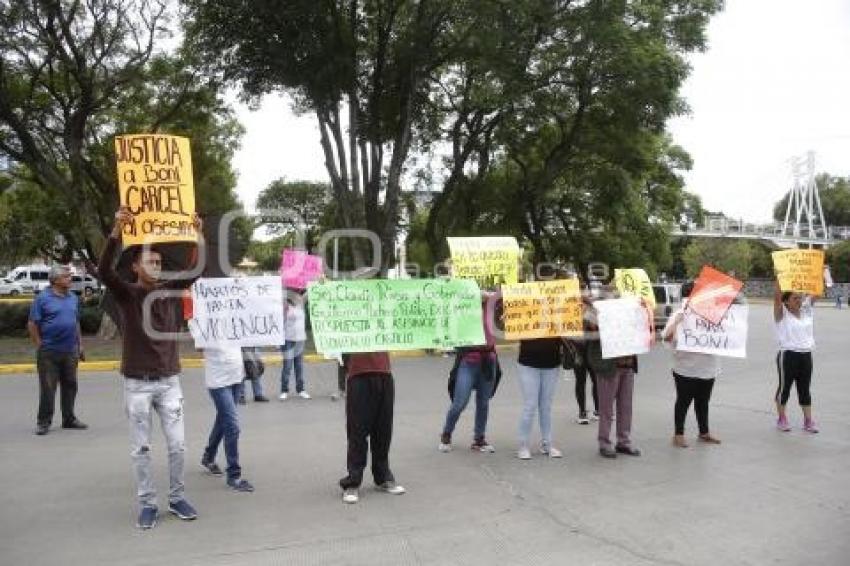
pixel 538 389
pixel 293 358
pixel 471 376
pixel 226 426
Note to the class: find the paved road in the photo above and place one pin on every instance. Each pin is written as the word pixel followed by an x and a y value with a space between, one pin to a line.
pixel 761 498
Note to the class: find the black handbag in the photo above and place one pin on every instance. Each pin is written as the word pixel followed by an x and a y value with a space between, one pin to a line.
pixel 570 356
pixel 253 364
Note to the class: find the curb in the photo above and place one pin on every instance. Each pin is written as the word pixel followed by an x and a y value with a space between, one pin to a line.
pixel 193 363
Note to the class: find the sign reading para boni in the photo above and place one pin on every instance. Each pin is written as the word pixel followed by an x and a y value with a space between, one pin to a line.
pixel 799 270
pixel 237 311
pixel 543 309
pixel 635 282
pixel 298 268
pixel 379 315
pixel 623 327
pixel 155 183
pixel 725 338
pixel 491 261
pixel 713 293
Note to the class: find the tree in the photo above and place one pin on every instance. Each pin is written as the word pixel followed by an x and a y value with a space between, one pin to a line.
pixel 307 203
pixel 362 64
pixel 838 258
pixel 72 75
pixel 734 257
pixel 834 196
pixel 578 107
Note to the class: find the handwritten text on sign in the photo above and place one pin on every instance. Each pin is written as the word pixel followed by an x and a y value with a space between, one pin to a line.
pixel 299 268
pixel 378 315
pixel 491 261
pixel 726 338
pixel 243 311
pixel 635 283
pixel 799 270
pixel 155 183
pixel 542 309
pixel 623 327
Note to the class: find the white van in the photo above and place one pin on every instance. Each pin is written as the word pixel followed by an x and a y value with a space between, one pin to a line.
pixel 28 279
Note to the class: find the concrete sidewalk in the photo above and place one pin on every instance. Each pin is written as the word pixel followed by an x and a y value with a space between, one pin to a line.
pixel 762 497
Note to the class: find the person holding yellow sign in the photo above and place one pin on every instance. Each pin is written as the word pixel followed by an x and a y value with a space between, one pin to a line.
pixel 794 320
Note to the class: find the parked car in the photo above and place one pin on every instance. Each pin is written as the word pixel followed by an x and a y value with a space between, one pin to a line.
pixel 10 288
pixel 668 298
pixel 28 279
pixel 85 285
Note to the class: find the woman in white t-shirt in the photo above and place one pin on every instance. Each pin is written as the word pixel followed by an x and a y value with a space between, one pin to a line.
pixel 795 332
pixel 293 350
pixel 694 375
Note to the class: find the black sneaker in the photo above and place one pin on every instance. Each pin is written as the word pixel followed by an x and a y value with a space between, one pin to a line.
pixel 239 484
pixel 607 452
pixel 628 450
pixel 183 510
pixel 147 517
pixel 76 424
pixel 211 467
pixel 261 399
pixel 42 429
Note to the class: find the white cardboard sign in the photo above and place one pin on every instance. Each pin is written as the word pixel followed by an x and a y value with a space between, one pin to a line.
pixel 237 311
pixel 623 327
pixel 727 338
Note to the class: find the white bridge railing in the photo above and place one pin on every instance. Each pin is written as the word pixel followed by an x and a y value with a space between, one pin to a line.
pixel 719 226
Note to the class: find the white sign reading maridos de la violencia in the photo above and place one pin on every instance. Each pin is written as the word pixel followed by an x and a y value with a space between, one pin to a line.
pixel 237 311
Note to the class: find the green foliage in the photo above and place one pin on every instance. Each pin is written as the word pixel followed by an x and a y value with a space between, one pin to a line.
pixel 838 258
pixel 90 318
pixel 13 319
pixel 268 254
pixel 59 114
pixel 304 203
pixel 734 257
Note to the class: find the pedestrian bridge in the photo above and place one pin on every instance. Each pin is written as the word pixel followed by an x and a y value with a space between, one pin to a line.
pixel 772 233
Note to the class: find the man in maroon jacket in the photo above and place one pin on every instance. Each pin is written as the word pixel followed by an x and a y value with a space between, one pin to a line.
pixel 150 366
pixel 369 420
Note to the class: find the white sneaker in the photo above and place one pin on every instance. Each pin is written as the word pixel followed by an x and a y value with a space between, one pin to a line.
pixel 551 452
pixel 350 496
pixel 444 447
pixel 391 487
pixel 594 416
pixel 283 396
pixel 523 453
pixel 304 395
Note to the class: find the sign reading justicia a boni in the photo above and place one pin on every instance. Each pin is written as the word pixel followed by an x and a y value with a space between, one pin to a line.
pixel 155 183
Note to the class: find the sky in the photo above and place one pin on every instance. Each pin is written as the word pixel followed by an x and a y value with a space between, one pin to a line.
pixel 773 84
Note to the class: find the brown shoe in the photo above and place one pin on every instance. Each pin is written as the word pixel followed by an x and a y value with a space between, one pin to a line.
pixel 679 441
pixel 708 439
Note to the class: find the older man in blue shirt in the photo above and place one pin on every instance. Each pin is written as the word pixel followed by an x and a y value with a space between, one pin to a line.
pixel 55 329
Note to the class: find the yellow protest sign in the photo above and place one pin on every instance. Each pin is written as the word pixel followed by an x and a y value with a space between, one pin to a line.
pixel 543 309
pixel 491 261
pixel 155 182
pixel 635 283
pixel 799 270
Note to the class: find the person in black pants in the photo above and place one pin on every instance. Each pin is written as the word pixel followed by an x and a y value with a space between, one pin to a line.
pixel 369 421
pixel 694 375
pixel 581 369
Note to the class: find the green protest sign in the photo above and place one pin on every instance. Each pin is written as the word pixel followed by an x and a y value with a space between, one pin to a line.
pixel 378 315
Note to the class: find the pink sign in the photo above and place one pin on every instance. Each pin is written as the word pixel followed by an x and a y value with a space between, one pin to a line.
pixel 298 268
